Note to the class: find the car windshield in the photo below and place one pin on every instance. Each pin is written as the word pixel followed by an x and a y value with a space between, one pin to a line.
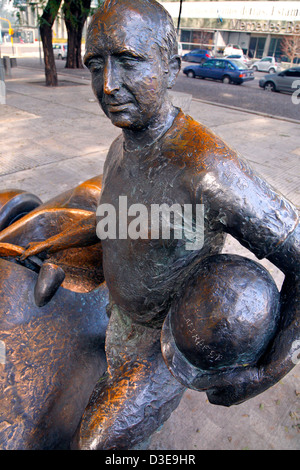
pixel 238 64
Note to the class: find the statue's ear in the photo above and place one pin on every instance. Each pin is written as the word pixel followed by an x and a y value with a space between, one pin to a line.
pixel 174 68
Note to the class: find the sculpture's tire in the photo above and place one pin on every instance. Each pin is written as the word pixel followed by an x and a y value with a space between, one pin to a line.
pixel 14 204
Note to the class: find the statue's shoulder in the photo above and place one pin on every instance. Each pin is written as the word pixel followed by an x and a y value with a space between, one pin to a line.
pixel 116 147
pixel 213 165
pixel 198 145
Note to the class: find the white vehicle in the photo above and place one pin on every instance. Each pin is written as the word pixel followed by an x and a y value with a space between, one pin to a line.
pixel 267 64
pixel 60 51
pixel 241 58
pixel 233 49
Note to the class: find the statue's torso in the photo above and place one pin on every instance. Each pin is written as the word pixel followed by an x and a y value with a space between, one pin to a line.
pixel 144 275
pixel 188 165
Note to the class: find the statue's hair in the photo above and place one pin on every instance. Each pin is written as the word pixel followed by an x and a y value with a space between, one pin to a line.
pixel 155 13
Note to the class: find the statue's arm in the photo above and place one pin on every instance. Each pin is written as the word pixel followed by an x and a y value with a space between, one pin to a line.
pixel 267 224
pixel 81 233
pixel 284 353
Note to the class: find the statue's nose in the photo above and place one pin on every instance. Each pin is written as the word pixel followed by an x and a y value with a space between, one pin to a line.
pixel 111 78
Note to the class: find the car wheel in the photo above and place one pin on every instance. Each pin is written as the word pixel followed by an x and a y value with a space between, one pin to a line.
pixel 14 204
pixel 269 86
pixel 272 71
pixel 226 79
pixel 254 68
pixel 191 74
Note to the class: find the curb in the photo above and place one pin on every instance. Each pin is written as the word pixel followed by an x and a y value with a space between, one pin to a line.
pixel 249 111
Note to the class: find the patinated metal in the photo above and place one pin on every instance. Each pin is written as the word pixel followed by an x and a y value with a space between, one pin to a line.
pixel 63 290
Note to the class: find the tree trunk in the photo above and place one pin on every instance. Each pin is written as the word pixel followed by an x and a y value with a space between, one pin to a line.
pixel 49 61
pixel 75 15
pixel 74 59
pixel 46 23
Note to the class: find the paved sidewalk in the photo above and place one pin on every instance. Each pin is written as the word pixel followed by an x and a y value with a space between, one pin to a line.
pixel 53 139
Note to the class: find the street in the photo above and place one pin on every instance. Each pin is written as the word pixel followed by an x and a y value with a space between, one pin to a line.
pixel 248 96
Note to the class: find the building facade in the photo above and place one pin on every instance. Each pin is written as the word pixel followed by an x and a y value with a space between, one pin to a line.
pixel 256 26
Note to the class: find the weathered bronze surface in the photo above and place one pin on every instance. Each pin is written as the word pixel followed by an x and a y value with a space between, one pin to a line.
pixel 63 290
pixel 214 322
pixel 55 353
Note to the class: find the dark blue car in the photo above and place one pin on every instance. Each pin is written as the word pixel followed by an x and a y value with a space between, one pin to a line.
pixel 197 55
pixel 228 71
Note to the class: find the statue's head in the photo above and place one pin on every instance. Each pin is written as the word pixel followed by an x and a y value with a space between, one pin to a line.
pixel 131 51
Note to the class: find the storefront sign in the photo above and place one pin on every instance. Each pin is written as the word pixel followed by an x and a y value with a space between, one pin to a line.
pixel 276 27
pixel 275 11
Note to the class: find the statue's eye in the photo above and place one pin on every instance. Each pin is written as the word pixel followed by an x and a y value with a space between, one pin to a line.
pixel 128 61
pixel 95 65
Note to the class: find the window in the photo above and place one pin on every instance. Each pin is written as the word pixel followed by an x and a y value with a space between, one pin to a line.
pixel 256 47
pixel 275 47
pixel 219 64
pixel 185 36
pixel 209 64
pixel 292 73
pixel 230 66
pixel 239 65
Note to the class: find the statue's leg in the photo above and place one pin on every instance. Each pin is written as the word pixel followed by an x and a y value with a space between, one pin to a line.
pixel 137 395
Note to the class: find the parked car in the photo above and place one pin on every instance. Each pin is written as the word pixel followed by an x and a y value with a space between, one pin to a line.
pixel 197 55
pixel 241 58
pixel 267 64
pixel 233 49
pixel 60 51
pixel 282 81
pixel 221 69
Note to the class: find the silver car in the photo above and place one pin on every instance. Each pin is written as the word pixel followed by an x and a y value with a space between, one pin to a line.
pixel 283 81
pixel 267 64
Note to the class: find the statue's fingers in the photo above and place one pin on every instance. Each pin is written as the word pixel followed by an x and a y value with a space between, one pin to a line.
pixel 32 249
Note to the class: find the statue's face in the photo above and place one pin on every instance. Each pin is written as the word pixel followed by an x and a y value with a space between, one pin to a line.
pixel 129 75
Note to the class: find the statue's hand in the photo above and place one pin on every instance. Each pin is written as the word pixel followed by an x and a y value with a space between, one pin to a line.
pixel 232 385
pixel 50 275
pixel 239 385
pixel 35 248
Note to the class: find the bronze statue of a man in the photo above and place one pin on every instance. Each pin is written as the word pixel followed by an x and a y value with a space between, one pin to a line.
pixel 165 157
